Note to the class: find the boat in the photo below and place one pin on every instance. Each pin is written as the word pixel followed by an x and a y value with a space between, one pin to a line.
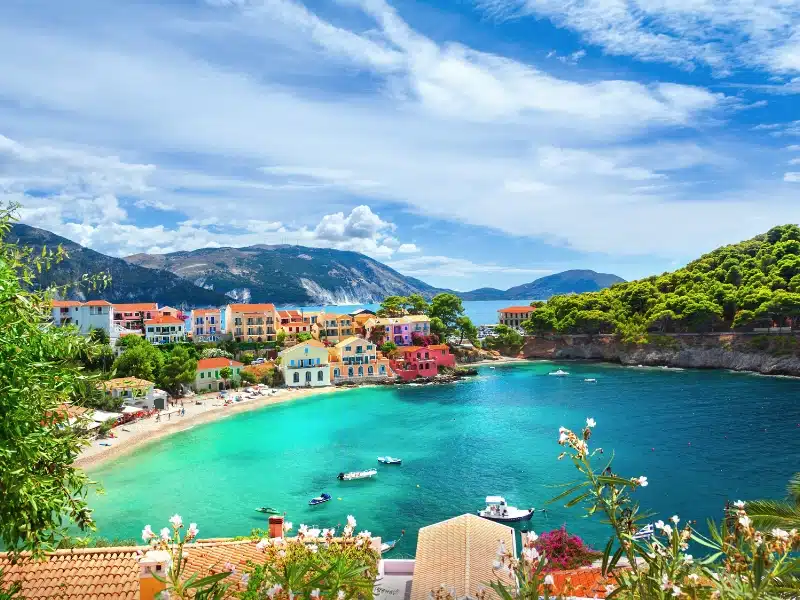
pixel 497 510
pixel 390 544
pixel 322 498
pixel 267 510
pixel 388 460
pixel 558 373
pixel 492 367
pixel 590 380
pixel 357 475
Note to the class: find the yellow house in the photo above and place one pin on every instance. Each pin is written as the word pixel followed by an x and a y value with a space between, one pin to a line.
pixel 337 327
pixel 251 322
pixel 305 365
pixel 355 359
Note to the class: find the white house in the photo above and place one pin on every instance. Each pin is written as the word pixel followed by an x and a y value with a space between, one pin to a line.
pixel 208 374
pixel 133 391
pixel 95 314
pixel 165 330
pixel 306 365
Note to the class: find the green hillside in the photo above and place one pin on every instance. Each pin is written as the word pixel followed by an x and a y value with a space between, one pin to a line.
pixel 752 283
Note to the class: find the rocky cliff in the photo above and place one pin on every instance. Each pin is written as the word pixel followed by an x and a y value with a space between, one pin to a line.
pixel 767 354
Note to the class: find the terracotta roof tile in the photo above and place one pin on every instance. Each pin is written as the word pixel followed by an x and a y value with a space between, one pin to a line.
pixel 517 309
pixel 582 583
pixel 65 303
pixel 217 363
pixel 164 320
pixel 135 307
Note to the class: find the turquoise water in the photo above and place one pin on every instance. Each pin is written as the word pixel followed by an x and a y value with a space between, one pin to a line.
pixel 701 437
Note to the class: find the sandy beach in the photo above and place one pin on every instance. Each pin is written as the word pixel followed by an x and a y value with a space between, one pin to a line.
pixel 199 409
pixel 506 360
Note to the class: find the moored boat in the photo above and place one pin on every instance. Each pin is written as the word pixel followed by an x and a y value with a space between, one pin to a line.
pixel 357 475
pixel 322 498
pixel 559 373
pixel 498 510
pixel 267 510
pixel 389 460
pixel 590 380
pixel 390 544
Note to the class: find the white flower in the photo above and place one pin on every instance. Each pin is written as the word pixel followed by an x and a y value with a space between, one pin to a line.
pixel 281 553
pixel 667 530
pixel 665 584
pixel 230 567
pixel 532 537
pixel 166 534
pixel 192 531
pixel 314 533
pixel 562 438
pixel 275 589
pixel 176 521
pixel 262 544
pixel 688 558
pixel 287 526
pixel 245 578
pixel 610 588
pixel 530 554
pixel 694 577
pixel 744 521
pixel 641 480
pixel 496 564
pixel 340 595
pixel 351 521
pixel 739 504
pixel 315 593
pixel 674 519
pixel 303 530
pixel 313 548
pixel 147 533
pixel 328 532
pixel 501 549
pixel 590 422
pixel 365 534
pixel 659 524
pixel 676 591
pixel 562 430
pixel 780 534
pixel 548 580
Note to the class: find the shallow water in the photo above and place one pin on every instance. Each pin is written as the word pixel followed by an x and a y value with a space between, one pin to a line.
pixel 701 437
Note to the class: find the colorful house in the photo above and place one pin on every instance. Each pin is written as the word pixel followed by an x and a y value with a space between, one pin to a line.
pixel 513 316
pixel 165 330
pixel 251 322
pixel 355 359
pixel 400 330
pixel 132 390
pixel 133 316
pixel 337 327
pixel 206 325
pixel 85 316
pixel 306 365
pixel 422 361
pixel 208 374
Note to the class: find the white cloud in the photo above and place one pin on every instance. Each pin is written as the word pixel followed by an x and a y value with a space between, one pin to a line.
pixel 794 161
pixel 793 177
pixel 721 34
pixel 445 266
pixel 568 59
pixel 407 249
pixel 780 129
pixel 793 148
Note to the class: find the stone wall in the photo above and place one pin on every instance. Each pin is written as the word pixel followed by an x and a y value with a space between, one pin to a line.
pixel 769 354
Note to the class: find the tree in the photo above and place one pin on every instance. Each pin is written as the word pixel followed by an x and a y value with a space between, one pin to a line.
pixel 505 340
pixel 247 358
pixel 142 360
pixel 215 353
pixel 778 513
pixel 179 369
pixel 417 305
pixel 248 376
pixel 40 488
pixel 466 330
pixel 388 348
pixel 100 336
pixel 393 306
pixel 303 337
pixel 226 373
pixel 447 308
pixel 280 339
pixel 542 320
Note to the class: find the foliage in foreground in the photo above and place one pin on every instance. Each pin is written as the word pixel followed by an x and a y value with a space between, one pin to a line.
pixel 755 282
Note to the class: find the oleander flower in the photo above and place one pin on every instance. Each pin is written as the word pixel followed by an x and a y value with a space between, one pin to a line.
pixel 230 567
pixel 287 526
pixel 245 578
pixel 193 530
pixel 147 533
pixel 275 589
pixel 262 544
pixel 665 584
pixel 780 534
pixel 659 524
pixel 351 520
pixel 548 580
pixel 562 438
pixel 530 554
pixel 641 480
pixel 676 591
pixel 315 593
pixel 739 504
pixel 313 548
pixel 496 564
pixel 674 519
pixel 501 549
pixel 532 537
pixel 166 534
pixel 176 521
pixel 667 530
pixel 744 521
pixel 340 595
pixel 365 534
pixel 303 530
pixel 688 559
pixel 590 422
pixel 314 533
pixel 694 577
pixel 562 429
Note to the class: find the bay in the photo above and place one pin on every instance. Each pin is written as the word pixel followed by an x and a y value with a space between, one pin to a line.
pixel 701 438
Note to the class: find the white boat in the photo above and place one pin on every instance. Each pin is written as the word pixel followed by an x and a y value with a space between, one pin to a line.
pixel 390 460
pixel 497 510
pixel 590 380
pixel 558 373
pixel 357 475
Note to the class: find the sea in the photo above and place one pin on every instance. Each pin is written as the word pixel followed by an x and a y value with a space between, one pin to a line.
pixel 700 437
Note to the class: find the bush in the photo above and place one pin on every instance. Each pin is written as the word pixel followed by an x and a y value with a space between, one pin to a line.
pixel 565 551
pixel 106 427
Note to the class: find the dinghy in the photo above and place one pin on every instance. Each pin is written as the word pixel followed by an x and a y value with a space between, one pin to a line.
pixel 267 510
pixel 321 499
pixel 558 373
pixel 497 510
pixel 388 460
pixel 357 475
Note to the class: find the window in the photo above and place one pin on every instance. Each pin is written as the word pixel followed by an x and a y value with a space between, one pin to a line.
pixel 348 348
pixel 336 372
pixel 202 375
pixel 308 376
pixel 319 375
pixel 360 371
pixel 370 370
pixel 369 347
pixel 296 377
pixel 291 363
pixel 382 370
pixel 349 371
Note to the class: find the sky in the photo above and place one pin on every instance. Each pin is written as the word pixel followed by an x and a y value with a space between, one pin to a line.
pixel 468 143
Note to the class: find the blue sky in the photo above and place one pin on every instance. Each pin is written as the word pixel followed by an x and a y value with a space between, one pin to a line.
pixel 469 143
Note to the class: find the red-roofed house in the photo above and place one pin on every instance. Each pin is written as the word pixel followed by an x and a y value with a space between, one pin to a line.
pixel 133 316
pixel 513 316
pixel 208 373
pixel 165 330
pixel 251 322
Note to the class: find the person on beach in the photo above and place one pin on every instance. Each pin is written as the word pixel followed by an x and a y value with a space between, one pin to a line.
pixel 158 417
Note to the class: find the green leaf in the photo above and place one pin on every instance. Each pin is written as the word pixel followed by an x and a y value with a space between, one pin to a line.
pixel 210 580
pixel 606 554
pixel 568 492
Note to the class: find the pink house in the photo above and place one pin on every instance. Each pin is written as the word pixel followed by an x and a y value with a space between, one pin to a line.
pixel 422 361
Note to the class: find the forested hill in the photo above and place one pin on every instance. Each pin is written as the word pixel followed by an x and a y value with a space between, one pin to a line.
pixel 752 283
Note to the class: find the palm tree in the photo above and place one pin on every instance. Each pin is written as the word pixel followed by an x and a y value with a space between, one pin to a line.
pixel 785 514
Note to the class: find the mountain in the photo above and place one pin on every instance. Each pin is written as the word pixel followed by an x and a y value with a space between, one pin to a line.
pixel 286 274
pixel 129 282
pixel 567 282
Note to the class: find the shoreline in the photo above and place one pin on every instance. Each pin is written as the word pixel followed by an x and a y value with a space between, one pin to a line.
pixel 133 436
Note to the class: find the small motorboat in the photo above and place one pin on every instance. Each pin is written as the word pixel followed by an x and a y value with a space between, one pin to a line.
pixel 267 510
pixel 357 475
pixel 388 460
pixel 492 367
pixel 590 380
pixel 321 499
pixel 558 373
pixel 497 510
pixel 390 544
